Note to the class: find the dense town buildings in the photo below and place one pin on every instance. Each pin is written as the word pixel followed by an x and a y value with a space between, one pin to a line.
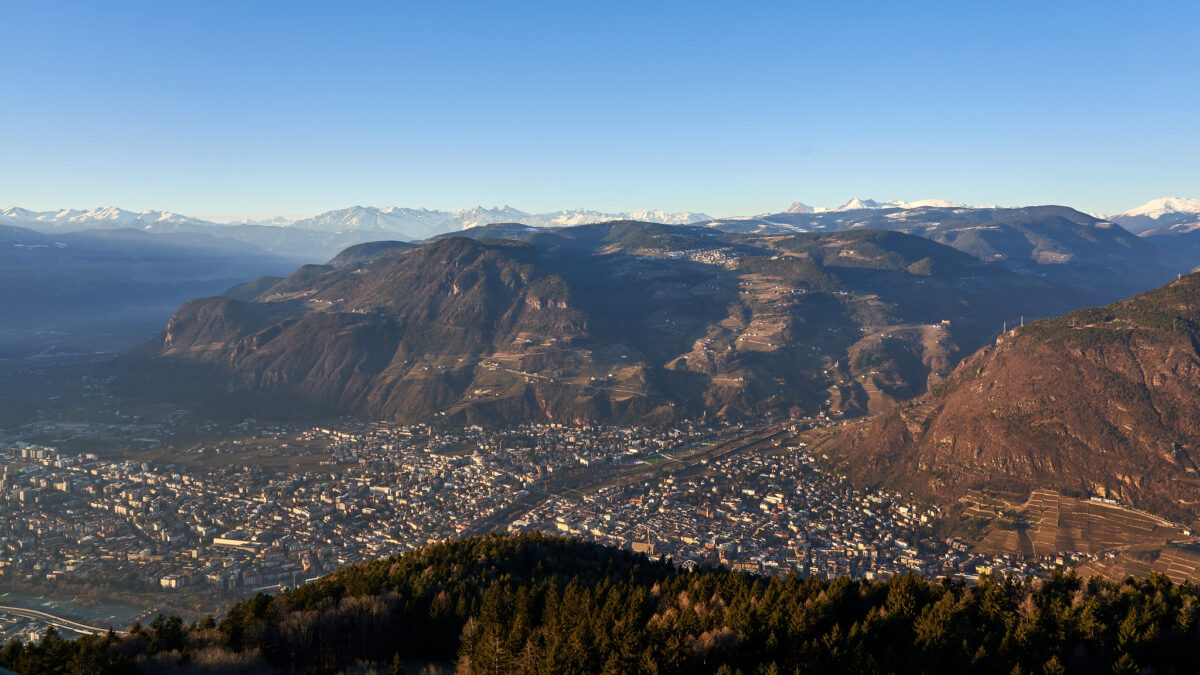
pixel 387 489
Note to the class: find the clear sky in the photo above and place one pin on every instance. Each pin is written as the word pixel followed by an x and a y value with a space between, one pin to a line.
pixel 256 108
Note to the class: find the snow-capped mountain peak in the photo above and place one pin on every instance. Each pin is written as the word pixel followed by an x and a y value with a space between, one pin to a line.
pixel 666 217
pixel 480 215
pixel 799 207
pixel 387 222
pixel 1157 208
pixel 856 204
pixel 1168 212
pixel 105 217
pixel 421 223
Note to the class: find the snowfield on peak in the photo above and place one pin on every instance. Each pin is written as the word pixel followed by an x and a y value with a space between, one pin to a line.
pixel 859 204
pixel 1168 212
pixel 856 204
pixel 1157 208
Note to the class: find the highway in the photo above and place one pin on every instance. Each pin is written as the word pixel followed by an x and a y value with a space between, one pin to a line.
pixel 56 621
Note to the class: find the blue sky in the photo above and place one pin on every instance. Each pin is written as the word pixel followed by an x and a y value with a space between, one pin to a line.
pixel 257 108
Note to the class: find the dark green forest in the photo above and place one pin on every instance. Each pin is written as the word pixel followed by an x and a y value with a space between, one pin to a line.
pixel 535 603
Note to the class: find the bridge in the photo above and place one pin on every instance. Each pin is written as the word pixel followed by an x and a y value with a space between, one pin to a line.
pixel 56 621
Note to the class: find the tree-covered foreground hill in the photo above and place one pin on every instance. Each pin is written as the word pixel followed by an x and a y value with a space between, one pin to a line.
pixel 543 604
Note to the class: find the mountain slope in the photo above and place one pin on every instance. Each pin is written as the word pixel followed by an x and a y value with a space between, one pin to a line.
pixel 1101 402
pixel 616 321
pixel 455 298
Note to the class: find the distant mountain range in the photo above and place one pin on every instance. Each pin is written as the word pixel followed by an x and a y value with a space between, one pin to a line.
pixel 321 236
pixel 1157 213
pixel 1055 241
pixel 103 218
pixel 418 223
pixel 401 223
pixel 856 204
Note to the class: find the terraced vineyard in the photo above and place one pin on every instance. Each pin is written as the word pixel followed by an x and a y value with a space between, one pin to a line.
pixel 1179 564
pixel 1049 523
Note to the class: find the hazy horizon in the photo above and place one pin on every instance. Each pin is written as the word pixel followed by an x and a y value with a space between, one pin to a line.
pixel 233 219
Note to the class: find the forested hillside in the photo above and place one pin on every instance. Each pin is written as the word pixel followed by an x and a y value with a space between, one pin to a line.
pixel 544 604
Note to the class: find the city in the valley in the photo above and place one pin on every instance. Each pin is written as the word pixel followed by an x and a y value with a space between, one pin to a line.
pixel 167 536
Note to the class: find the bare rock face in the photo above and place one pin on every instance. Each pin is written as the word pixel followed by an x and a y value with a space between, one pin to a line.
pixel 1101 402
